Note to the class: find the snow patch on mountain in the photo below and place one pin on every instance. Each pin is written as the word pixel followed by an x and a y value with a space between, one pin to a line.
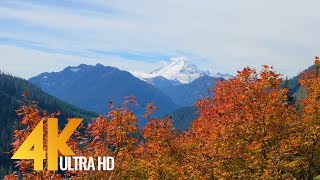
pixel 220 75
pixel 74 69
pixel 141 75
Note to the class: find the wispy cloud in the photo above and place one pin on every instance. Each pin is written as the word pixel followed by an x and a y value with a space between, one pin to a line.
pixel 137 35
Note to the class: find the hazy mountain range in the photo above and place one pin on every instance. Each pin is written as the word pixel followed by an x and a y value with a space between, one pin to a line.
pixel 177 84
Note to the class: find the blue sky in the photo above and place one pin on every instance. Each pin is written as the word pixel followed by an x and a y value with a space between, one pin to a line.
pixel 141 35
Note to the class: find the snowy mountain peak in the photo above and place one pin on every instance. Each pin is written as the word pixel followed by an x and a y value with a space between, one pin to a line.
pixel 179 69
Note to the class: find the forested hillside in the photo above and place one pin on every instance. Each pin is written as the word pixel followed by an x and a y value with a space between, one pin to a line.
pixel 294 86
pixel 11 90
pixel 183 117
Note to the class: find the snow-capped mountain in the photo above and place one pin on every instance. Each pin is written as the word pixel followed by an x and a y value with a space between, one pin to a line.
pixel 179 69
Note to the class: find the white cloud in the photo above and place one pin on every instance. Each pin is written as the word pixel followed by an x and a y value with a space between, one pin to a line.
pixel 28 63
pixel 226 35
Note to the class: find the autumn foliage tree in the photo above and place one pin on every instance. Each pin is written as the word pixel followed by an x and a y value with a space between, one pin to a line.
pixel 247 130
pixel 30 115
pixel 307 157
pixel 114 135
pixel 242 128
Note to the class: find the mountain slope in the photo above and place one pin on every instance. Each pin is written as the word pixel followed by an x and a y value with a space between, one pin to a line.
pixel 92 87
pixel 188 94
pixel 11 90
pixel 161 82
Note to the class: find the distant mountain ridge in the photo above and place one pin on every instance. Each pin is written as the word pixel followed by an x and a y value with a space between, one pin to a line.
pixel 161 82
pixel 92 87
pixel 188 94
